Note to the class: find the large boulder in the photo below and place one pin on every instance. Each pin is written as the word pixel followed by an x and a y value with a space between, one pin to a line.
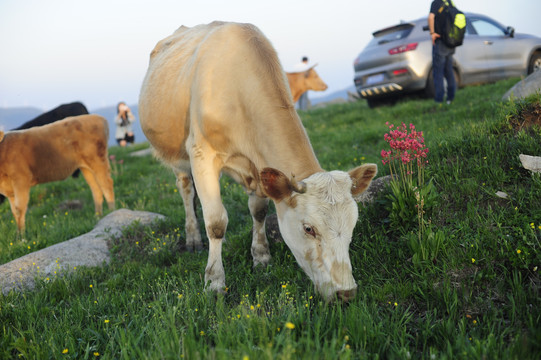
pixel 528 86
pixel 89 249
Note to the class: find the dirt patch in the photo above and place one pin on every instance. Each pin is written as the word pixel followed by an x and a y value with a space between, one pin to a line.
pixel 528 117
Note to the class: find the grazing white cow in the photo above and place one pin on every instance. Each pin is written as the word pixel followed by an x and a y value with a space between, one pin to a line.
pixel 53 152
pixel 215 99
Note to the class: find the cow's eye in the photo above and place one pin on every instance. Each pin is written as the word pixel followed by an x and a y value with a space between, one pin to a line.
pixel 309 230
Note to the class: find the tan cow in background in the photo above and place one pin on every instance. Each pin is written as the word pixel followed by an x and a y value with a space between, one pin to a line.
pixel 301 82
pixel 53 152
pixel 215 99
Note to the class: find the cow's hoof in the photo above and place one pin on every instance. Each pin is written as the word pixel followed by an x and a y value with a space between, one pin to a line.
pixel 194 247
pixel 213 287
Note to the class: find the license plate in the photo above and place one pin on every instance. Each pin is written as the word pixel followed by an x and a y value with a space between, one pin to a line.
pixel 374 79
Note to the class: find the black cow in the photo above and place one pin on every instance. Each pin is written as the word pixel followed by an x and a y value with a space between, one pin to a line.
pixel 58 113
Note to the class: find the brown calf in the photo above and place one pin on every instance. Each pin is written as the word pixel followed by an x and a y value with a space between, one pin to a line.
pixel 51 153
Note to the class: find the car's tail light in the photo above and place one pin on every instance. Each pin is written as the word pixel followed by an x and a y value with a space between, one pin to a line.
pixel 400 72
pixel 403 48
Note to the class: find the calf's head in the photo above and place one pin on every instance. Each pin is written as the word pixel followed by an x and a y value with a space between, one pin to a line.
pixel 316 218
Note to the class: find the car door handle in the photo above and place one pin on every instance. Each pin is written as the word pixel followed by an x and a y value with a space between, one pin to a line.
pixel 488 42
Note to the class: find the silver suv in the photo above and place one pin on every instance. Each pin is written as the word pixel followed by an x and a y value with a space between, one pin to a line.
pixel 398 59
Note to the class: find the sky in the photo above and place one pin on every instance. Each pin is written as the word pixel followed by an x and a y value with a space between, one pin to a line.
pixel 96 51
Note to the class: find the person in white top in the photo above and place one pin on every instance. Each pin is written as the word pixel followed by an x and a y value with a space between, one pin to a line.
pixel 123 120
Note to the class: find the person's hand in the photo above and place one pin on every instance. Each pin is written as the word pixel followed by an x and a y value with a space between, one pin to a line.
pixel 434 36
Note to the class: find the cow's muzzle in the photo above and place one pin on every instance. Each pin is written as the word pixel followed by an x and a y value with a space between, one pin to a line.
pixel 346 295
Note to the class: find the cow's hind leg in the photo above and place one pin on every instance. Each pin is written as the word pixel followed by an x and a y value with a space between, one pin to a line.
pixel 19 205
pixel 187 191
pixel 260 246
pixel 97 194
pixel 207 182
pixel 102 174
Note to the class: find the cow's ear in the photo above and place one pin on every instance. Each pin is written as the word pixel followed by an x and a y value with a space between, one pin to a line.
pixel 1 135
pixel 277 186
pixel 362 177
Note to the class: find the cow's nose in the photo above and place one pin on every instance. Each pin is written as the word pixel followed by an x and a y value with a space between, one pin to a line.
pixel 346 295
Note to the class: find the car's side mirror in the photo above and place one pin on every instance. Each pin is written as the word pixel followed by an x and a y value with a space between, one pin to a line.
pixel 510 31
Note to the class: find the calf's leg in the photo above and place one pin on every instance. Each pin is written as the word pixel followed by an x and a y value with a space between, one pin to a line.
pixel 19 204
pixel 102 173
pixel 97 194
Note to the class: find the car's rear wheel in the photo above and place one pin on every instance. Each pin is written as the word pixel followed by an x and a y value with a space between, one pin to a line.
pixel 377 102
pixel 430 90
pixel 535 63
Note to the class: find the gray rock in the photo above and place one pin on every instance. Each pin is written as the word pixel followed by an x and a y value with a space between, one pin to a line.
pixel 143 152
pixel 528 86
pixel 532 163
pixel 89 249
pixel 376 186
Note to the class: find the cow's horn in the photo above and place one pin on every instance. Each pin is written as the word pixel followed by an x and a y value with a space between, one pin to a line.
pixel 299 187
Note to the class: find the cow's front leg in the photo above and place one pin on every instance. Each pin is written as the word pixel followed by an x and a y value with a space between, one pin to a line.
pixel 206 176
pixel 187 191
pixel 260 246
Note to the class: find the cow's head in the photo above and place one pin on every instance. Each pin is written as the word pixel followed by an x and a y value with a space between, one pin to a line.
pixel 316 218
pixel 313 81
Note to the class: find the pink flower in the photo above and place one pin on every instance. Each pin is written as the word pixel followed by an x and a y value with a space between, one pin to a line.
pixel 406 146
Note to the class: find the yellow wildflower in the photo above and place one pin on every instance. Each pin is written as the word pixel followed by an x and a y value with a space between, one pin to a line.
pixel 290 325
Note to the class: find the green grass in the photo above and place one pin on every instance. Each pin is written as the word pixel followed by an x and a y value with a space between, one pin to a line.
pixel 478 298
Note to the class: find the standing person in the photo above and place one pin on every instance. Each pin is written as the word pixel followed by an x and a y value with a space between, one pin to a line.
pixel 301 67
pixel 442 55
pixel 123 120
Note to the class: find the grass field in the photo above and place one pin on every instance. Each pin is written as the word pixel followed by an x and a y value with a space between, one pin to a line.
pixel 471 291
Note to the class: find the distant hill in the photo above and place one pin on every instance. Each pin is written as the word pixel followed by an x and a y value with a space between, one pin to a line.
pixel 315 99
pixel 11 118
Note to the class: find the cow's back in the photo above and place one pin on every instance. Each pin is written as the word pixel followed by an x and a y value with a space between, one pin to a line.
pixel 210 81
pixel 52 152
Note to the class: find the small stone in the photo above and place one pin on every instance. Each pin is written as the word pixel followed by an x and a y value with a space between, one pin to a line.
pixel 502 195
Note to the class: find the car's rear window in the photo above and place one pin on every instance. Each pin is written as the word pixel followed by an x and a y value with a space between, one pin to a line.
pixel 393 33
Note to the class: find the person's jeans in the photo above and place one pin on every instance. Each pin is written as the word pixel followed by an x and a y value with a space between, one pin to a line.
pixel 442 66
pixel 303 101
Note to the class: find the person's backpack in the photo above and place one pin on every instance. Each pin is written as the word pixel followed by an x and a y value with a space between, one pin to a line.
pixel 453 26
